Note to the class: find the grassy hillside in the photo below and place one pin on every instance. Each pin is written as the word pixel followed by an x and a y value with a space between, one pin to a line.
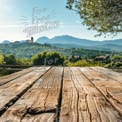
pixel 27 50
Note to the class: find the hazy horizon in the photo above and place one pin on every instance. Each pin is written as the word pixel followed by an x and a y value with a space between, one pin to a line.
pixel 58 36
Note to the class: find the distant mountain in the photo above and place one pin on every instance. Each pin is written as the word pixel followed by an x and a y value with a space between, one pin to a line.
pixel 116 42
pixel 109 47
pixel 67 46
pixel 22 41
pixel 43 40
pixel 66 40
pixel 6 42
pixel 69 40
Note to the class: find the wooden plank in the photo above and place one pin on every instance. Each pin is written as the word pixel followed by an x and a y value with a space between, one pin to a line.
pixel 82 102
pixel 10 92
pixel 40 102
pixel 8 78
pixel 110 88
pixel 69 98
pixel 110 73
pixel 99 108
pixel 46 117
pixel 87 95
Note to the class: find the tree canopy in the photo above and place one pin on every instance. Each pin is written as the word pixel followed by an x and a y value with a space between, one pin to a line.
pixel 104 16
pixel 48 58
pixel 2 59
pixel 10 59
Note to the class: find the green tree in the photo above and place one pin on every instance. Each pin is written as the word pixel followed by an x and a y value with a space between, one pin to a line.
pixel 48 58
pixel 10 60
pixel 105 16
pixel 23 61
pixel 2 59
pixel 38 59
pixel 117 58
pixel 54 58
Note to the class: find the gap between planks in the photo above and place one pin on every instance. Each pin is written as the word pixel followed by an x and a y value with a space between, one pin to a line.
pixel 66 94
pixel 19 86
pixel 40 102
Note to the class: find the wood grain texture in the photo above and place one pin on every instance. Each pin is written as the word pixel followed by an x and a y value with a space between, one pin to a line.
pixel 69 98
pixel 8 78
pixel 61 94
pixel 110 73
pixel 110 88
pixel 13 90
pixel 40 102
pixel 84 102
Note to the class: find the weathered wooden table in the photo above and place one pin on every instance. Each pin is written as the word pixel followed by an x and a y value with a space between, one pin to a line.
pixel 61 94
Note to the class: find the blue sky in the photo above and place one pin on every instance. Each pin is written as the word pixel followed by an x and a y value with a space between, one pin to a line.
pixel 15 13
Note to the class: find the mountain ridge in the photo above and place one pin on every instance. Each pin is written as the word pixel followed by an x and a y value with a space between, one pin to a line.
pixel 66 39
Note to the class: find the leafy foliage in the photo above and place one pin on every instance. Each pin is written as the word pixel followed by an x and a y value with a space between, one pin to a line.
pixel 2 59
pixel 83 63
pixel 48 58
pixel 35 54
pixel 10 60
pixel 104 16
pixel 27 50
pixel 22 50
pixel 23 61
pixel 117 58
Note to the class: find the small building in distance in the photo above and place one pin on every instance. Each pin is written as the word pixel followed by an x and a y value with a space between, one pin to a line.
pixel 30 40
pixel 74 58
pixel 102 58
pixel 16 42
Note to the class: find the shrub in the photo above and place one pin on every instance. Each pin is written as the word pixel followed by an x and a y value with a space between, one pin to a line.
pixel 83 63
pixel 118 64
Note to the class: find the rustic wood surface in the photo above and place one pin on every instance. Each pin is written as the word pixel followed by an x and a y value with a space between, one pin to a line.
pixel 61 94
